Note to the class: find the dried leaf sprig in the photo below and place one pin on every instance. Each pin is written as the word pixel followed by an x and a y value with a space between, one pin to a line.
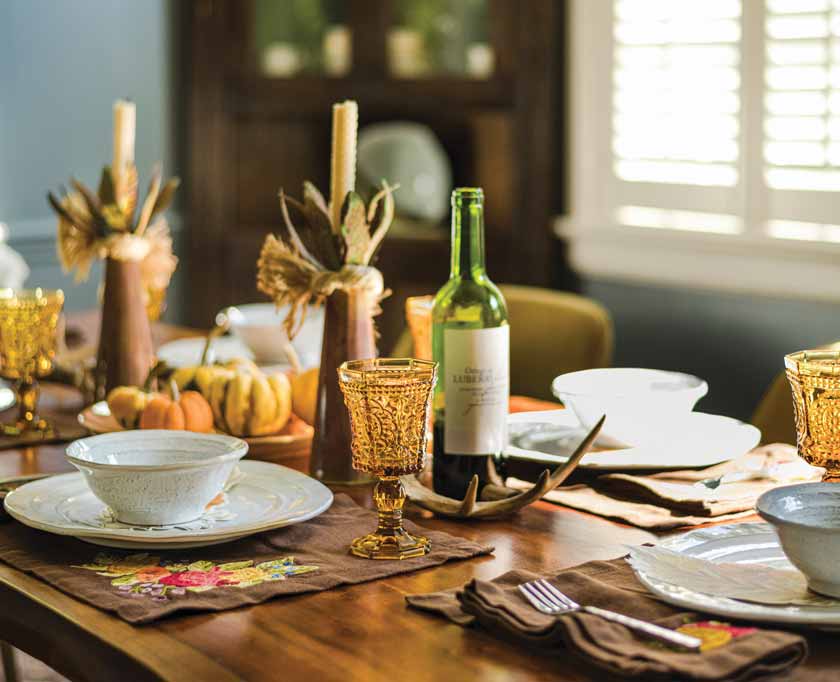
pixel 107 224
pixel 309 260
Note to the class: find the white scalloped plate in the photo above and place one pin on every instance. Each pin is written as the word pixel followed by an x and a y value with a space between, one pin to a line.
pixel 741 543
pixel 267 496
pixel 700 440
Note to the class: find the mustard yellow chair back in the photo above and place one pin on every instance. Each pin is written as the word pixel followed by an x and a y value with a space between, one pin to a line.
pixel 774 414
pixel 551 332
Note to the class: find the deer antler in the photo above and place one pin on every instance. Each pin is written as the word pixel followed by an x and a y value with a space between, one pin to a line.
pixel 471 508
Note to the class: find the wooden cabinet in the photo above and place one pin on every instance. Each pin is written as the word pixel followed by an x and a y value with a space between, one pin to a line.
pixel 251 133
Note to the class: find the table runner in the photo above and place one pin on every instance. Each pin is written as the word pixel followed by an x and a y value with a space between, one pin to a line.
pixel 730 652
pixel 142 586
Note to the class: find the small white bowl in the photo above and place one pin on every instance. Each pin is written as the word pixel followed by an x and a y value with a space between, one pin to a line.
pixel 260 327
pixel 642 405
pixel 156 477
pixel 806 517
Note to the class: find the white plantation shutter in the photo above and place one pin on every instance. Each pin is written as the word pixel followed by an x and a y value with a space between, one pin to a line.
pixel 801 150
pixel 676 114
pixel 717 124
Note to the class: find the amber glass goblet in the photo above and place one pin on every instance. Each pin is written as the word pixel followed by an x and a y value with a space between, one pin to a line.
pixel 389 401
pixel 418 314
pixel 28 322
pixel 814 377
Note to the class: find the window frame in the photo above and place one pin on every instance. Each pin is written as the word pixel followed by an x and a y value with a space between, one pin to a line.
pixel 751 261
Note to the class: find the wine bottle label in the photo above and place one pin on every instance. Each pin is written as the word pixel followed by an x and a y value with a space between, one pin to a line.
pixel 476 365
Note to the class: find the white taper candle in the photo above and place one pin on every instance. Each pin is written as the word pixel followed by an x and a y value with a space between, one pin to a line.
pixel 125 121
pixel 345 123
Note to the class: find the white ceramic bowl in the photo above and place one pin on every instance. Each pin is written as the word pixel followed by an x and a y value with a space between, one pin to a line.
pixel 642 405
pixel 156 478
pixel 260 327
pixel 807 518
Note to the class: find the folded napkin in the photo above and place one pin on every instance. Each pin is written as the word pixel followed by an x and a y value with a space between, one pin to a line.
pixel 141 587
pixel 671 499
pixel 728 653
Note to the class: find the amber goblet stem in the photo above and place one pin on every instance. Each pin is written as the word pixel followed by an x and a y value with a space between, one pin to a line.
pixel 391 540
pixel 389 498
pixel 27 392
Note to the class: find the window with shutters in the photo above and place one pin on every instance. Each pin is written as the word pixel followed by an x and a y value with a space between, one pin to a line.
pixel 705 142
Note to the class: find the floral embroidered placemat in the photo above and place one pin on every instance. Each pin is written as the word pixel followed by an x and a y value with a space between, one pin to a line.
pixel 141 587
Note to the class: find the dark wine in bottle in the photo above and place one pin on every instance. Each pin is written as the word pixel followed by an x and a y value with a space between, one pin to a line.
pixel 470 342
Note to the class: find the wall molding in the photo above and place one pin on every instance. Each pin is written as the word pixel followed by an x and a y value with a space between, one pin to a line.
pixel 726 264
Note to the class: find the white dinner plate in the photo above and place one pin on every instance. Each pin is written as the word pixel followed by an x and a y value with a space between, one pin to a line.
pixel 699 440
pixel 266 497
pixel 740 543
pixel 7 396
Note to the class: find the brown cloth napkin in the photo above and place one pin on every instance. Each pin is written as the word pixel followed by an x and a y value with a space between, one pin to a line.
pixel 670 499
pixel 730 653
pixel 142 587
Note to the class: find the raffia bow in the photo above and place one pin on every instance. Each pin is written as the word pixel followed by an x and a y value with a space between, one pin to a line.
pixel 291 280
pixel 314 260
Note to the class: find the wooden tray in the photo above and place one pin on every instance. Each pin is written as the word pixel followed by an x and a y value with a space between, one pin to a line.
pixel 293 441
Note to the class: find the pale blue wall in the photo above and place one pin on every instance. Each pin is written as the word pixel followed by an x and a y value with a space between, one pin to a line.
pixel 62 64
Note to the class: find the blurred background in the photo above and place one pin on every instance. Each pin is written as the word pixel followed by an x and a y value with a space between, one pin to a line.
pixel 678 161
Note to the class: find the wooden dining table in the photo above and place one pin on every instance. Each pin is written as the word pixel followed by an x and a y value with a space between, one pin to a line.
pixel 359 632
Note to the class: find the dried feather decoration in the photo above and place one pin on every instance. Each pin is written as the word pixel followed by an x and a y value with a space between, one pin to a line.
pixel 310 261
pixel 103 225
pixel 327 247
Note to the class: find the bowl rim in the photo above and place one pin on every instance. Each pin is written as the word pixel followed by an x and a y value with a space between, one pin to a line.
pixel 701 386
pixel 776 520
pixel 313 312
pixel 237 449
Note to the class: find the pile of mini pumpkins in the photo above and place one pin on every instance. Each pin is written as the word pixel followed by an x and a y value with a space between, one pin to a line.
pixel 235 397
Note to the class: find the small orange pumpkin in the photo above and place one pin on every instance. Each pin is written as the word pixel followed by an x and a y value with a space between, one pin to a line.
pixel 185 411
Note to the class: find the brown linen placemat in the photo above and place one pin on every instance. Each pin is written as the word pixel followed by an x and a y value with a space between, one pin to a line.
pixel 729 653
pixel 670 499
pixel 142 587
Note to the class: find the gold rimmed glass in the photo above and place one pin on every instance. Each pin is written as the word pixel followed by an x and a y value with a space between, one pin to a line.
pixel 389 400
pixel 28 323
pixel 814 377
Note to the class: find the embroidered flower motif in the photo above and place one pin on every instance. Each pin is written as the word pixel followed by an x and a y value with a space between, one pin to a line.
pixel 145 576
pixel 714 634
pixel 151 574
pixel 198 578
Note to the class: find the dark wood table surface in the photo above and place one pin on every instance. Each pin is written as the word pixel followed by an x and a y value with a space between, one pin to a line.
pixel 360 632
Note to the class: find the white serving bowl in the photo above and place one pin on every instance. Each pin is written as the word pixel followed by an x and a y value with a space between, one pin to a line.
pixel 260 327
pixel 806 517
pixel 156 477
pixel 642 405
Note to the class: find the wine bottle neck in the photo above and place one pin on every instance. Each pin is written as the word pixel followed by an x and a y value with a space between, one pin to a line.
pixel 467 233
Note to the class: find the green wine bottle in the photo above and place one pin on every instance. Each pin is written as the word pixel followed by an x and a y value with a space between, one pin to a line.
pixel 470 342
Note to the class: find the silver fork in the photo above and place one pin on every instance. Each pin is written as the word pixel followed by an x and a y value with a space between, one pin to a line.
pixel 546 598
